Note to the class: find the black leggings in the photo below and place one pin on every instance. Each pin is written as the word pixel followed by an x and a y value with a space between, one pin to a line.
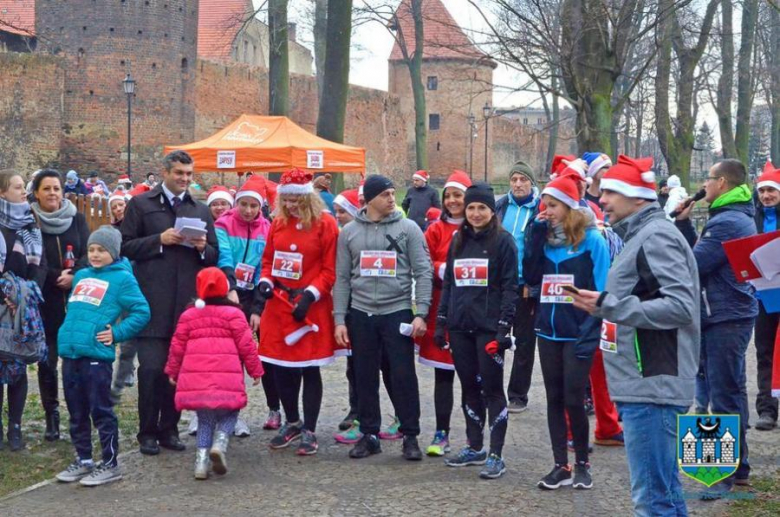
pixel 565 377
pixel 482 384
pixel 17 396
pixel 442 397
pixel 269 386
pixel 288 383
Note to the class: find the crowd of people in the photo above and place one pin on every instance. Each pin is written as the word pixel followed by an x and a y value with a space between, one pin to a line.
pixel 625 304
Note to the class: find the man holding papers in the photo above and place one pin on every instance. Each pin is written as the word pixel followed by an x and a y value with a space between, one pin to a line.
pixel 170 237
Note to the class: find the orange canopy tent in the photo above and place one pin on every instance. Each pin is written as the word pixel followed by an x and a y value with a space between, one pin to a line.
pixel 271 144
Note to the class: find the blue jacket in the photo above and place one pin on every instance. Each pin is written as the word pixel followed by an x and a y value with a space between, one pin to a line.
pixel 515 219
pixel 99 297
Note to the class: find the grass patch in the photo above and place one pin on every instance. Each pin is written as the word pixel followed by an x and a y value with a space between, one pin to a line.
pixel 766 502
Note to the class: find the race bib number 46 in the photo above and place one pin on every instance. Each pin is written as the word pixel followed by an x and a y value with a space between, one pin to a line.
pixel 287 265
pixel 608 342
pixel 471 272
pixel 90 290
pixel 378 263
pixel 552 289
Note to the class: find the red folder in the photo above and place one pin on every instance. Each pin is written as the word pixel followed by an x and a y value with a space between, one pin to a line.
pixel 738 252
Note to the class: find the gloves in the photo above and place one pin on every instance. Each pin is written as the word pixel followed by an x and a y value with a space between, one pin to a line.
pixel 503 340
pixel 440 335
pixel 302 307
pixel 265 290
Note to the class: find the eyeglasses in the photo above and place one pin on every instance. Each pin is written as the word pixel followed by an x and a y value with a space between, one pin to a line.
pixel 713 178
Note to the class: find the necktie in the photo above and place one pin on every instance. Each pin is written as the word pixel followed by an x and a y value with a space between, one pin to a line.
pixel 176 203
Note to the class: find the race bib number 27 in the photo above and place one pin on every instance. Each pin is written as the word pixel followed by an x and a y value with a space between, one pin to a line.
pixel 90 290
pixel 553 291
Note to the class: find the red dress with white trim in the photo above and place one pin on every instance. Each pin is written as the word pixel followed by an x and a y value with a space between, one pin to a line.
pixel 297 259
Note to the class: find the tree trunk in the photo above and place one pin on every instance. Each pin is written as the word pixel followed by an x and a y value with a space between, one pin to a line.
pixel 744 78
pixel 320 42
pixel 552 144
pixel 278 59
pixel 726 82
pixel 414 64
pixel 775 85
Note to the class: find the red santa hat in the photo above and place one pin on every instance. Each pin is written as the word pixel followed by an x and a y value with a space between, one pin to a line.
pixel 252 189
pixel 211 282
pixel 433 214
pixel 296 181
pixel 770 177
pixel 292 330
pixel 124 178
pixel 140 189
pixel 458 179
pixel 116 196
pixel 631 177
pixel 565 190
pixel 219 192
pixel 577 168
pixel 421 175
pixel 349 201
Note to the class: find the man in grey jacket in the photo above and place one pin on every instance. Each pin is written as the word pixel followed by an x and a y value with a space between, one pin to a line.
pixel 379 255
pixel 650 333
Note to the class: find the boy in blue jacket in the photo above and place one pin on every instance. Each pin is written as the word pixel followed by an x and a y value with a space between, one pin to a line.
pixel 101 294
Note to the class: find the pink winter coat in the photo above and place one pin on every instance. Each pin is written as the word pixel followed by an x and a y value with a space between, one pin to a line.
pixel 207 355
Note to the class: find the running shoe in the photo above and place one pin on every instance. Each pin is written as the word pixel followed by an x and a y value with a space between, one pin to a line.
pixel 351 435
pixel 76 471
pixel 308 445
pixel 287 434
pixel 368 445
pixel 274 420
pixel 516 406
pixel 393 431
pixel 242 429
pixel 494 467
pixel 467 456
pixel 348 421
pixel 582 479
pixel 615 441
pixel 411 449
pixel 101 475
pixel 440 444
pixel 559 476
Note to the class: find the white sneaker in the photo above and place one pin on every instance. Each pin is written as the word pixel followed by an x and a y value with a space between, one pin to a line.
pixel 76 471
pixel 242 429
pixel 101 475
pixel 192 429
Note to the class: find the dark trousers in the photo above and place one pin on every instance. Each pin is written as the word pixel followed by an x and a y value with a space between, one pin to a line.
pixel 766 329
pixel 17 398
pixel 158 418
pixel 353 395
pixel 126 363
pixel 442 397
pixel 87 386
pixel 376 340
pixel 565 377
pixel 288 384
pixel 525 351
pixel 482 388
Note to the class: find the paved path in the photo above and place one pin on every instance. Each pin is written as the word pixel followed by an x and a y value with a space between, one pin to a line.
pixel 262 482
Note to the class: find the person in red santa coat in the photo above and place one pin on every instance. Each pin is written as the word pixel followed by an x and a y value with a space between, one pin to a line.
pixel 439 236
pixel 297 331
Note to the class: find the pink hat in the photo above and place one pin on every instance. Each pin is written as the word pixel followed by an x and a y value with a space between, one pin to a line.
pixel 296 181
pixel 219 192
pixel 458 179
pixel 421 175
pixel 631 177
pixel 770 177
pixel 253 189
pixel 565 190
pixel 348 200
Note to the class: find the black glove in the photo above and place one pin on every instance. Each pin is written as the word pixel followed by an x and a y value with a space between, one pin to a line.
pixel 503 336
pixel 265 290
pixel 440 335
pixel 302 307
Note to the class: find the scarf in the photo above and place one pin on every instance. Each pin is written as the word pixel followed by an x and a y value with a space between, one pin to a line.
pixel 557 238
pixel 58 222
pixel 19 218
pixel 740 194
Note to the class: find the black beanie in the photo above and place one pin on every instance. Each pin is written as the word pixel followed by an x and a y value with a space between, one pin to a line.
pixel 481 192
pixel 375 185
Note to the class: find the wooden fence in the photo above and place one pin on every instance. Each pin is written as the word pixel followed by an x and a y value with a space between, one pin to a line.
pixel 95 210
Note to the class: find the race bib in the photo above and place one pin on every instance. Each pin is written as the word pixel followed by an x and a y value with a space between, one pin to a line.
pixel 287 265
pixel 90 290
pixel 552 289
pixel 608 342
pixel 378 263
pixel 245 275
pixel 471 272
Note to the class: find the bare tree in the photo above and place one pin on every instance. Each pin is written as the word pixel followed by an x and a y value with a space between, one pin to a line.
pixel 278 59
pixel 320 42
pixel 333 105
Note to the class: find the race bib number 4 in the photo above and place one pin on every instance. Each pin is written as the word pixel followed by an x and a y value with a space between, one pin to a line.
pixel 90 290
pixel 245 275
pixel 378 263
pixel 471 272
pixel 287 265
pixel 608 342
pixel 552 289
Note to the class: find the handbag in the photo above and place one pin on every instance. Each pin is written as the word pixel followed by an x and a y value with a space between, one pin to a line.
pixel 22 337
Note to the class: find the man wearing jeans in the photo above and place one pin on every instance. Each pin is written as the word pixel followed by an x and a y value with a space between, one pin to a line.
pixel 650 333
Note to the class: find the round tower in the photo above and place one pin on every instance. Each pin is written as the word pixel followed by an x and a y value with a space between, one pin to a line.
pixel 102 41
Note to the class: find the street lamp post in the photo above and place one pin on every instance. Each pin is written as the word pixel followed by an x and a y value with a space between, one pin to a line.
pixel 472 121
pixel 129 85
pixel 487 111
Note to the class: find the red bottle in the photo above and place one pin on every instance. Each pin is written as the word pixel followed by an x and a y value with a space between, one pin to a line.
pixel 69 261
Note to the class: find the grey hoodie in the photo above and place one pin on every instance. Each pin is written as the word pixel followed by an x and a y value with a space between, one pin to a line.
pixel 375 294
pixel 652 296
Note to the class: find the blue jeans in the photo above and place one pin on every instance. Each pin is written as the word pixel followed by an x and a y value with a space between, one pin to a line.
pixel 650 433
pixel 702 397
pixel 725 345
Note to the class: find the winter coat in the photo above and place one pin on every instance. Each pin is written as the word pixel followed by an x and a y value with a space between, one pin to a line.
pixel 209 350
pixel 474 306
pixel 382 294
pixel 650 307
pixel 767 218
pixel 418 201
pixel 166 274
pixel 515 219
pixel 99 297
pixel 676 196
pixel 80 189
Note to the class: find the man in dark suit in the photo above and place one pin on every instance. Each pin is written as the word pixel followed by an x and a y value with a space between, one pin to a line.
pixel 166 269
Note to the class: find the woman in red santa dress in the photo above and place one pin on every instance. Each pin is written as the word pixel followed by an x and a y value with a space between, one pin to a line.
pixel 439 235
pixel 296 328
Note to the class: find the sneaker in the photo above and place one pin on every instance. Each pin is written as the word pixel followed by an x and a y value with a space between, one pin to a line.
pixel 274 420
pixel 368 445
pixel 582 479
pixel 348 421
pixel 308 445
pixel 766 422
pixel 241 430
pixel 192 429
pixel 494 467
pixel 286 435
pixel 559 476
pixel 590 410
pixel 75 471
pixel 516 406
pixel 393 431
pixel 467 456
pixel 570 446
pixel 101 475
pixel 440 444
pixel 351 435
pixel 129 381
pixel 615 441
pixel 411 449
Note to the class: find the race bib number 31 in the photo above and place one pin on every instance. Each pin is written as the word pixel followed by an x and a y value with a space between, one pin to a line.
pixel 90 290
pixel 608 342
pixel 287 265
pixel 471 272
pixel 552 289
pixel 378 263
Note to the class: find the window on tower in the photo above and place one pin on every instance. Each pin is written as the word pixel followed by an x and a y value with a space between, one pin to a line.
pixel 433 82
pixel 433 121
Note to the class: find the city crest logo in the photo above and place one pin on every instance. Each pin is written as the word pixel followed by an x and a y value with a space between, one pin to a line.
pixel 708 446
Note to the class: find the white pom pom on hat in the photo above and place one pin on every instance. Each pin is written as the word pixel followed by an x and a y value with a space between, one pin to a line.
pixel 648 176
pixel 200 304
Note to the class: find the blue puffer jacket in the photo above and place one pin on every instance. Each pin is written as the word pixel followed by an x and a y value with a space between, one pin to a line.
pixel 515 219
pixel 99 297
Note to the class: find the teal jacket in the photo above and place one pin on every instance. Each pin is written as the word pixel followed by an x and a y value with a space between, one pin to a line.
pixel 99 297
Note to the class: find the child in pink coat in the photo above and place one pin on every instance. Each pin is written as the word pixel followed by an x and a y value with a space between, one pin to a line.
pixel 209 350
